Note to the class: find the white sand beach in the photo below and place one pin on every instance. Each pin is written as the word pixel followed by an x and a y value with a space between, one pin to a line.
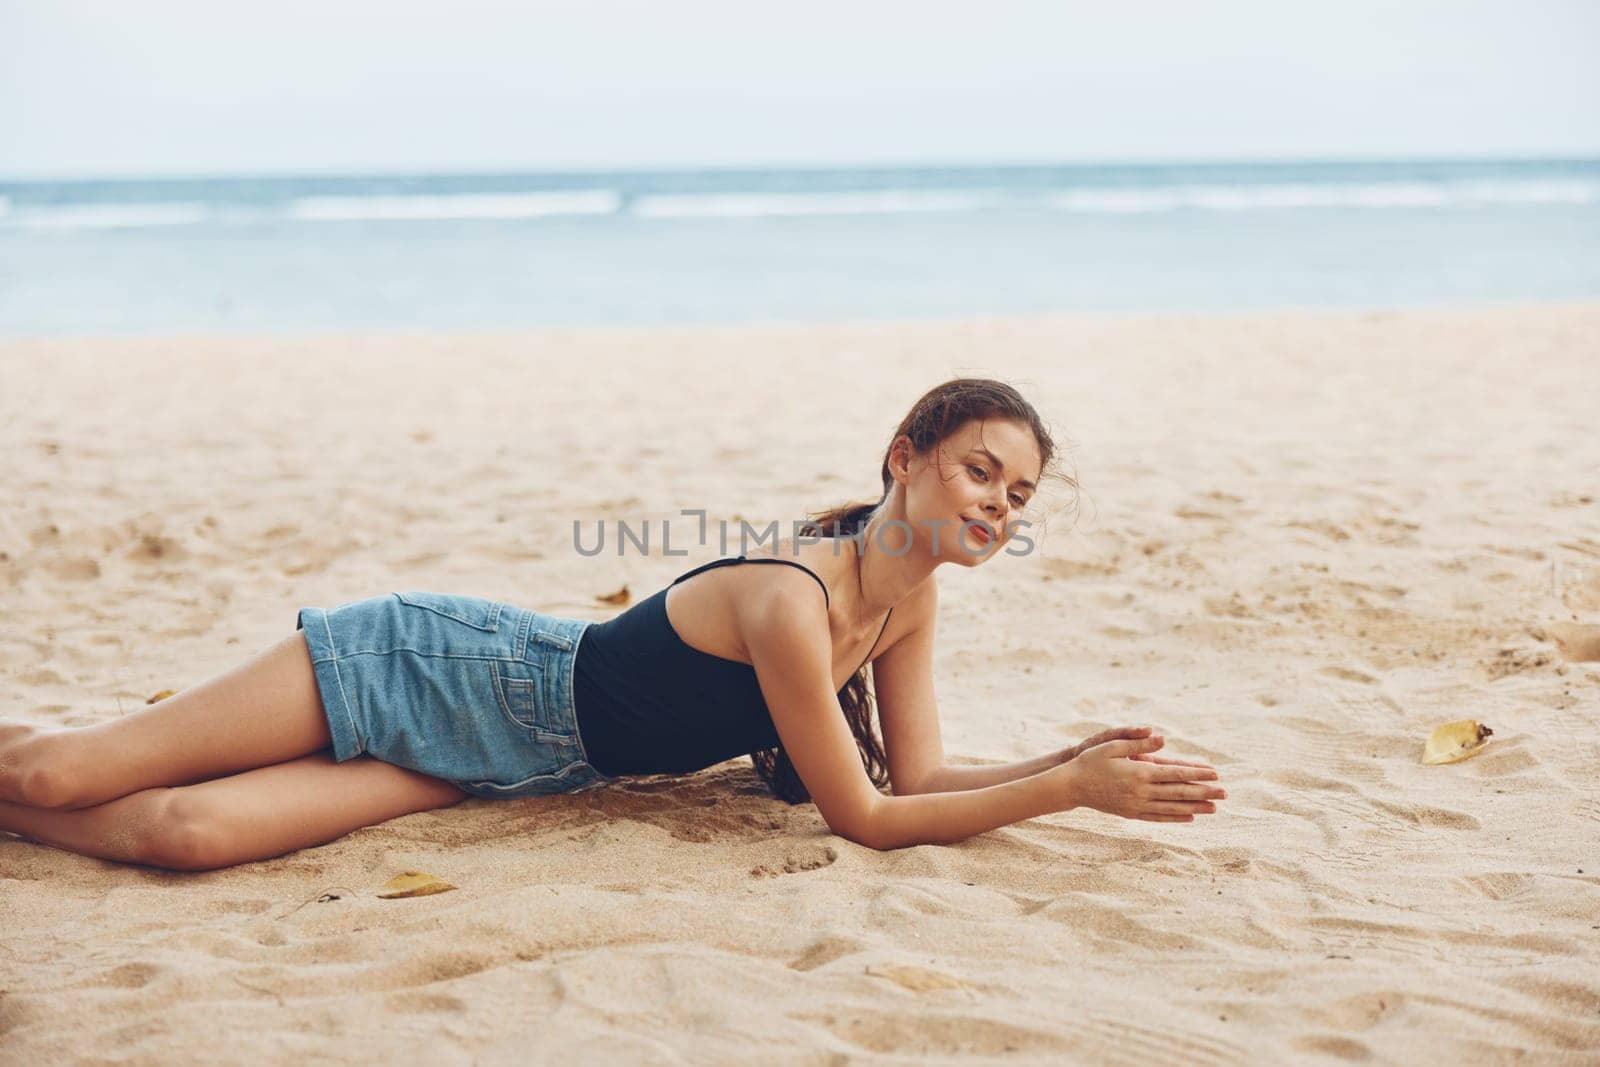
pixel 1305 539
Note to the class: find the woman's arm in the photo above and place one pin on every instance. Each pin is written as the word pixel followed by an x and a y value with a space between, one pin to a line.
pixel 1120 778
pixel 945 818
pixel 955 779
pixel 786 631
pixel 952 778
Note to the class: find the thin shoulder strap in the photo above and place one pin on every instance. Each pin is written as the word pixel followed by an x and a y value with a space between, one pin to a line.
pixel 826 602
pixel 875 641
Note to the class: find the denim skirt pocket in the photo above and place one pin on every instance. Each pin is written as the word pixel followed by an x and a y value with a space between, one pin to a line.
pixel 519 690
pixel 534 693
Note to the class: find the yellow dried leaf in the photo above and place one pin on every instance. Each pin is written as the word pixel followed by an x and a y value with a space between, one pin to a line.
pixel 414 884
pixel 916 979
pixel 621 596
pixel 1456 741
pixel 164 694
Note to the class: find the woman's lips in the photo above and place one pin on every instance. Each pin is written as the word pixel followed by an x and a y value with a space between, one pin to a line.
pixel 979 531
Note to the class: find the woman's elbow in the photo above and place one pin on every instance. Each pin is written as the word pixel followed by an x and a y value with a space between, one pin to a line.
pixel 880 829
pixel 865 827
pixel 866 839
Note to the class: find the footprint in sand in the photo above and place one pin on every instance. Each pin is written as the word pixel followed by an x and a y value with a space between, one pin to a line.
pixel 1497 885
pixel 43 535
pixel 806 859
pixel 153 548
pixel 1582 595
pixel 1577 642
pixel 1503 761
pixel 75 569
pixel 1510 660
pixel 1331 531
pixel 1425 815
pixel 1068 569
pixel 1386 530
pixel 825 951
pixel 125 976
pixel 1232 606
pixel 1348 674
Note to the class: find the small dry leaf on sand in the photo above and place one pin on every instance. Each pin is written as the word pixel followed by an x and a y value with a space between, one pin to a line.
pixel 164 694
pixel 621 596
pixel 414 884
pixel 1456 741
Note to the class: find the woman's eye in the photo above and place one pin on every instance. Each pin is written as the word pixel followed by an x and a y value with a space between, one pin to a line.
pixel 1016 499
pixel 979 471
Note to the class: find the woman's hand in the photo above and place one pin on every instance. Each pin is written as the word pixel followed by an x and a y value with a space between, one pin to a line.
pixel 1120 777
pixel 1116 733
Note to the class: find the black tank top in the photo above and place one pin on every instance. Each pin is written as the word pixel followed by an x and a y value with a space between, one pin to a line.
pixel 649 704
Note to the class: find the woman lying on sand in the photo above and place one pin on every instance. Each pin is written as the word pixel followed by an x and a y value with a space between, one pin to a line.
pixel 426 698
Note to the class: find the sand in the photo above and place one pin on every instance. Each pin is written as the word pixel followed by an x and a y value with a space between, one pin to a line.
pixel 1305 539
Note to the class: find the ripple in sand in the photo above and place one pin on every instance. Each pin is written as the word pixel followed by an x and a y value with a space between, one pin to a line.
pixel 1336 1045
pixel 1119 1039
pixel 910 1035
pixel 1349 674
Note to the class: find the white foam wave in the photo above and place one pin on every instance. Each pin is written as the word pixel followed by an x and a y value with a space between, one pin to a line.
pixel 1104 199
pixel 1331 194
pixel 106 216
pixel 757 205
pixel 458 206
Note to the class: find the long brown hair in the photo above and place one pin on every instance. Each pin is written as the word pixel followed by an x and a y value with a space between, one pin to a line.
pixel 940 412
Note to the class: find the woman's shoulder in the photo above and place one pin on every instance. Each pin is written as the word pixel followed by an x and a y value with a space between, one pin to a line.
pixel 828 558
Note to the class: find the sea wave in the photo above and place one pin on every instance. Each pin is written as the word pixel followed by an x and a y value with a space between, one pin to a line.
pixel 866 202
pixel 86 216
pixel 1277 196
pixel 1111 199
pixel 1103 199
pixel 456 206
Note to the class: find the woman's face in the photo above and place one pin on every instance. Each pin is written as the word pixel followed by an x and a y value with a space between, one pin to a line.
pixel 976 482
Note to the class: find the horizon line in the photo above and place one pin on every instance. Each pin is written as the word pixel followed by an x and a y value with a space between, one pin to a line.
pixel 490 171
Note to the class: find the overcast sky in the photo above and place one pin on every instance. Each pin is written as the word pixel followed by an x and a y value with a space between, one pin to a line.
pixel 162 87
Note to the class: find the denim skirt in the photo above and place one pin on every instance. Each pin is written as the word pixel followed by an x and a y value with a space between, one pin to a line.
pixel 474 691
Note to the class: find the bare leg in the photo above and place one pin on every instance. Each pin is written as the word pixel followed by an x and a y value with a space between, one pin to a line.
pixel 123 830
pixel 265 711
pixel 251 816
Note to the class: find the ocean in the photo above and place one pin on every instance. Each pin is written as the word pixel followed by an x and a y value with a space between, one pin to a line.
pixel 638 248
